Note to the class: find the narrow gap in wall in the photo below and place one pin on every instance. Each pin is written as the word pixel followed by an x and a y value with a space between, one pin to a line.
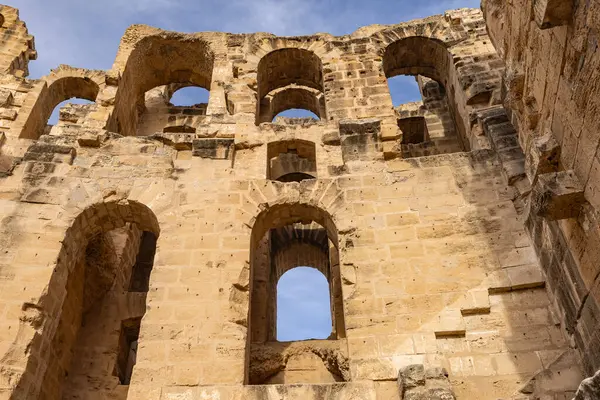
pixel 403 89
pixel 190 96
pixel 303 305
pixel 128 344
pixel 140 275
pixel 297 113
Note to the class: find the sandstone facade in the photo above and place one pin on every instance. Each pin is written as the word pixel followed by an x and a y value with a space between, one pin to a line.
pixel 141 243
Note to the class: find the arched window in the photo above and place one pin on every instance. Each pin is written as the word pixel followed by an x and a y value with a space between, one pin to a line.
pixel 303 305
pixel 163 64
pixel 91 330
pixel 417 70
pixel 284 238
pixel 70 110
pixel 289 78
pixel 403 89
pixel 173 108
pixel 190 96
pixel 91 312
pixel 296 113
pixel 51 99
pixel 291 160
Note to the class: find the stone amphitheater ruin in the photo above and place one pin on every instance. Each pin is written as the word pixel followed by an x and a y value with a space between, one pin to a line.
pixel 141 243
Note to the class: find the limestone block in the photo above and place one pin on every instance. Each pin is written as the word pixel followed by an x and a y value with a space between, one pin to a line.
pixel 411 376
pixel 6 165
pixel 107 96
pixel 6 97
pixel 544 156
pixel 390 150
pixel 331 138
pixel 475 302
pixel 449 323
pixel 216 149
pixel 589 389
pixel 560 375
pixel 416 383
pixel 47 152
pixel 516 278
pixel 375 369
pixel 179 141
pixel 359 138
pixel 91 139
pixel 513 171
pixel 556 196
pixel 551 13
pixel 39 168
pixel 112 78
pixel 514 84
pixel 390 132
pixel 8 114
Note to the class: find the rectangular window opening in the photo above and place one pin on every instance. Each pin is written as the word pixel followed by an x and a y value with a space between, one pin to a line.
pixel 127 353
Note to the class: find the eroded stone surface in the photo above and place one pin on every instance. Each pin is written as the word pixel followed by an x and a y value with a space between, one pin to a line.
pixel 142 242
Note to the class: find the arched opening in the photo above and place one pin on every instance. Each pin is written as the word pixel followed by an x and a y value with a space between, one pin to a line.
pixel 303 305
pixel 52 97
pixel 92 316
pixel 163 64
pixel 190 96
pixel 403 89
pixel 173 108
pixel 291 160
pixel 289 78
pixel 284 238
pixel 73 111
pixel 296 113
pixel 418 71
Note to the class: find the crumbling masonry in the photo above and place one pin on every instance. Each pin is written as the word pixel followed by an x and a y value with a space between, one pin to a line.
pixel 141 243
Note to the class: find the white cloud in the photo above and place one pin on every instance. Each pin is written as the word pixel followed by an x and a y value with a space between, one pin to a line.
pixel 87 33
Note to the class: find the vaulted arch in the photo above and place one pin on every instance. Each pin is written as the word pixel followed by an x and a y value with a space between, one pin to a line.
pixel 102 249
pixel 156 60
pixel 289 78
pixel 286 236
pixel 62 84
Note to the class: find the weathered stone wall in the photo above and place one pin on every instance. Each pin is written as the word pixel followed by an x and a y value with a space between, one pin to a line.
pixel 17 44
pixel 551 90
pixel 429 261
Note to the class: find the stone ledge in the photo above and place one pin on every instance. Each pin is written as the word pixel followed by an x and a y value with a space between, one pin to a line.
pixel 216 149
pixel 516 278
pixel 558 195
pixel 349 390
pixel 544 156
pixel 47 152
pixel 475 302
pixel 449 323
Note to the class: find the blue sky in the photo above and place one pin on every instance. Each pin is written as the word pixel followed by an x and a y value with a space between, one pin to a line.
pixel 303 292
pixel 86 34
